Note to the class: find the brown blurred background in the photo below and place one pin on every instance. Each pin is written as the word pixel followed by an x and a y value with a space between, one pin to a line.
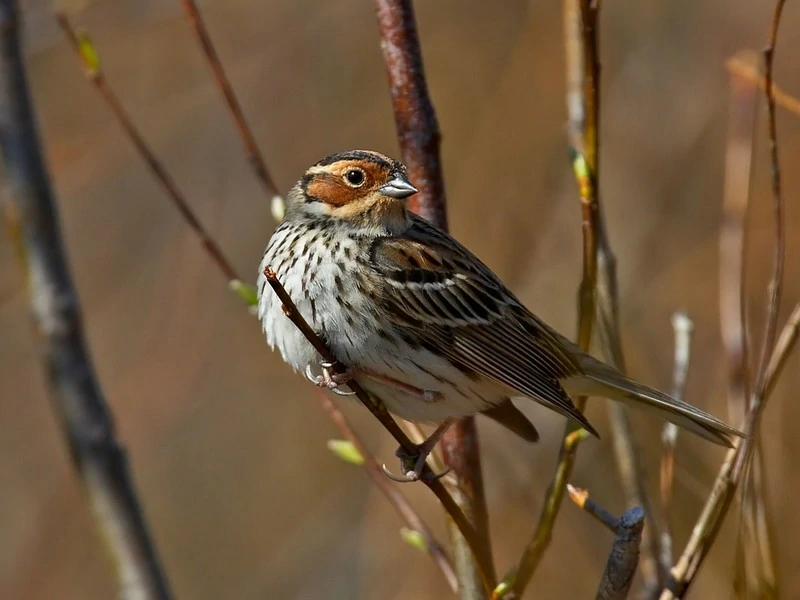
pixel 227 445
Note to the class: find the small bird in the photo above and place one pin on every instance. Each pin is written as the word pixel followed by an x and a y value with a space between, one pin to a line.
pixel 417 320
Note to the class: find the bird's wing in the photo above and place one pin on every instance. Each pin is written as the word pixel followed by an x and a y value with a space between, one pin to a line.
pixel 437 291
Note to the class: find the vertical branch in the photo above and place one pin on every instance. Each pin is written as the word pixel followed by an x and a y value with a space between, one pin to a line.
pixel 76 396
pixel 419 140
pixel 87 55
pixel 582 98
pixel 773 356
pixel 683 326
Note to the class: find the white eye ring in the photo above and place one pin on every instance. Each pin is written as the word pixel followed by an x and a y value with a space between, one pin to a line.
pixel 354 177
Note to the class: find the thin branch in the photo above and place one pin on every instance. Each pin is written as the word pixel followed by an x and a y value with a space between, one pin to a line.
pixel 87 56
pixel 392 493
pixel 583 501
pixel 419 139
pixel 84 416
pixel 216 255
pixel 598 289
pixel 252 152
pixel 683 327
pixel 379 412
pixel 748 70
pixel 773 357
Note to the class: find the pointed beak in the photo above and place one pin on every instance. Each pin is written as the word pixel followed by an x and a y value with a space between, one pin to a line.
pixel 398 187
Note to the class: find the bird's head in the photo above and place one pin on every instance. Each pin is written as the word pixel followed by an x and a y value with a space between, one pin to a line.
pixel 359 188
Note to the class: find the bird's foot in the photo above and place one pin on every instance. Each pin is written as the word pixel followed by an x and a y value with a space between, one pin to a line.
pixel 413 464
pixel 426 395
pixel 332 377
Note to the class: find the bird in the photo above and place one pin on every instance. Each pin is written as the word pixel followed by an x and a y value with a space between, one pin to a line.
pixel 417 320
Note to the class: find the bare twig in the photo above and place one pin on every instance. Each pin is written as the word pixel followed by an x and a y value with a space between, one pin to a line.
pixel 683 326
pixel 251 149
pixel 419 139
pixel 218 257
pixel 773 356
pixel 96 77
pixel 754 556
pixel 598 289
pixel 393 494
pixel 749 70
pixel 719 500
pixel 466 528
pixel 77 399
pixel 583 501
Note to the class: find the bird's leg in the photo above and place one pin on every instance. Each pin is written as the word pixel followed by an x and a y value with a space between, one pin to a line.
pixel 330 379
pixel 413 463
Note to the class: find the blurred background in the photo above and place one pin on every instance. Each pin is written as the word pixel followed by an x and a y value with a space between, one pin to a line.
pixel 228 446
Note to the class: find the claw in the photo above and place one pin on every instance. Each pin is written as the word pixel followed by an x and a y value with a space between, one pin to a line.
pixel 411 475
pixel 330 380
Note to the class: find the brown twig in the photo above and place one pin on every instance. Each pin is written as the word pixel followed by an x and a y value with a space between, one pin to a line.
pixel 773 356
pixel 419 139
pixel 392 493
pixel 84 416
pixel 754 556
pixel 377 409
pixel 212 249
pixel 252 152
pixel 749 70
pixel 96 77
pixel 683 326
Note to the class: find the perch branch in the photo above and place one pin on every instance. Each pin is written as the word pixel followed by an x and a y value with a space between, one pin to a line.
pixel 392 493
pixel 216 255
pixel 84 416
pixel 379 411
pixel 419 139
pixel 252 152
pixel 683 326
pixel 773 357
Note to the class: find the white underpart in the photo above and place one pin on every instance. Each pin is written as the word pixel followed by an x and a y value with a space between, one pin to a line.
pixel 359 345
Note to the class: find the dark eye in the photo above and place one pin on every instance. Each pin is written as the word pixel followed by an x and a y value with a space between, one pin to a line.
pixel 354 177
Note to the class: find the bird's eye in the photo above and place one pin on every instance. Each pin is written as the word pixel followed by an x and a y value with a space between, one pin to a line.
pixel 355 177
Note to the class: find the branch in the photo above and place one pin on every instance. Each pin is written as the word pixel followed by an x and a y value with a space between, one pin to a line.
pixel 466 529
pixel 419 140
pixel 252 152
pixel 773 357
pixel 624 556
pixel 683 326
pixel 392 493
pixel 85 53
pixel 747 70
pixel 598 289
pixel 85 418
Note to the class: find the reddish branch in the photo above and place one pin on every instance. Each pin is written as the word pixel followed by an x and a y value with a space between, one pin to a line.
pixel 419 140
pixel 97 79
pixel 251 149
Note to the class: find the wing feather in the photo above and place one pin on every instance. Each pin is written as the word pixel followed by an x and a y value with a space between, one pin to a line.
pixel 436 288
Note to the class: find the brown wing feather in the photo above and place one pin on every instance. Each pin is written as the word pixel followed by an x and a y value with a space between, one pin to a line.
pixel 434 286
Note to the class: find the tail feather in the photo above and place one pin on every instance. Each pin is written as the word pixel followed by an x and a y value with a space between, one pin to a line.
pixel 600 379
pixel 510 417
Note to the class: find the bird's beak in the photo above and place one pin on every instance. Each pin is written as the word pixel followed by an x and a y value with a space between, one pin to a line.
pixel 398 187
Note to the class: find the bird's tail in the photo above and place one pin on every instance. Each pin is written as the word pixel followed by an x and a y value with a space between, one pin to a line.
pixel 599 379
